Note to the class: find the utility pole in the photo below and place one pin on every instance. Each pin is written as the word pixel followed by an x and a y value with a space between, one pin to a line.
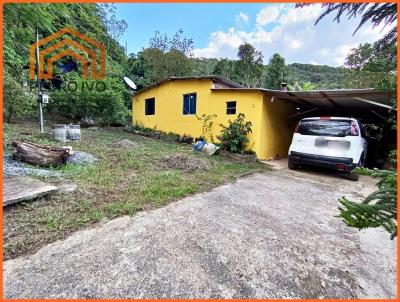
pixel 39 86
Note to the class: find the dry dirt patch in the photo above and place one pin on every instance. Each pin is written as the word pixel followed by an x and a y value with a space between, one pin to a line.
pixel 185 162
pixel 126 144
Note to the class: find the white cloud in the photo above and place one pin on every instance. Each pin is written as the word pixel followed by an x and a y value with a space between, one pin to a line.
pixel 294 44
pixel 242 17
pixel 291 32
pixel 370 30
pixel 342 52
pixel 297 15
pixel 267 15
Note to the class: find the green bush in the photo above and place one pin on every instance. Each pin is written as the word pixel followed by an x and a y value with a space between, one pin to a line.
pixel 18 102
pixel 106 106
pixel 379 209
pixel 234 136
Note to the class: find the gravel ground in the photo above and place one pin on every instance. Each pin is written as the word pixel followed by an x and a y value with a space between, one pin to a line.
pixel 81 158
pixel 269 235
pixel 13 167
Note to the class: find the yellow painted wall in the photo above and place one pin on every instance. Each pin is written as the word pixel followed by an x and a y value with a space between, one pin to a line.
pixel 276 128
pixel 169 117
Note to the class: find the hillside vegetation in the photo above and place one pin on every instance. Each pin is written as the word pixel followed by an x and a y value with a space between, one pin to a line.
pixel 321 75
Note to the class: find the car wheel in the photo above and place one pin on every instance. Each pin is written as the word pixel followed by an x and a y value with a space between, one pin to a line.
pixel 361 162
pixel 291 165
pixel 352 176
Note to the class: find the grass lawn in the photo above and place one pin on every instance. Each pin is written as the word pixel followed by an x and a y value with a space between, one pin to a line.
pixel 124 181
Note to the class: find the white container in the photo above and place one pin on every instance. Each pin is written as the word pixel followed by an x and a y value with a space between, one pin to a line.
pixel 60 132
pixel 74 132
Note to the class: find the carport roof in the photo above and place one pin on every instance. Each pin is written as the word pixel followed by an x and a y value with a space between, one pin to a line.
pixel 368 105
pixel 339 98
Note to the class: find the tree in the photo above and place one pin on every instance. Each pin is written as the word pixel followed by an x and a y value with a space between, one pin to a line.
pixel 226 69
pixel 379 209
pixel 370 66
pixel 249 66
pixel 295 87
pixel 166 57
pixel 276 72
pixel 18 101
pixel 105 106
pixel 153 65
pixel 176 42
pixel 115 27
pixel 377 13
pixel 322 76
pixel 303 87
pixel 359 57
pixel 204 66
pixel 369 57
pixel 177 64
pixel 20 22
pixel 153 60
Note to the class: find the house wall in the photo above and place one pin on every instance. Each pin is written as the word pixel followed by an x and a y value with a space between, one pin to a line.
pixel 169 115
pixel 276 128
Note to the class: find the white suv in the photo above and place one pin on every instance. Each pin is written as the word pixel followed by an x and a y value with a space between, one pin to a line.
pixel 333 142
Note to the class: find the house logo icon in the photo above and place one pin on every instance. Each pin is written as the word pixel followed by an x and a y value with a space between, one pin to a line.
pixel 88 52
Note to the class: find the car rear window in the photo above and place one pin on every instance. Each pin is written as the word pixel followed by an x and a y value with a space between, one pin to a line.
pixel 338 128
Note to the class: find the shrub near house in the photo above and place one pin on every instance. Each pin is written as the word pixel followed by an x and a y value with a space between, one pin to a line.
pixel 234 136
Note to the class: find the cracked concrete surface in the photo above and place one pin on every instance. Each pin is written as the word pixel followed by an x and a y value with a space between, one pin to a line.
pixel 271 235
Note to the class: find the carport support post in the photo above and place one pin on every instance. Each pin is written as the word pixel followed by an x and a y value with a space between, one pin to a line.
pixel 39 88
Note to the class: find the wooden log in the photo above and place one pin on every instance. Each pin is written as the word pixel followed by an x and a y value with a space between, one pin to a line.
pixel 43 156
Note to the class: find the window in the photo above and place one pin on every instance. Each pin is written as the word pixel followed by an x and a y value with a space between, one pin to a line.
pixel 149 108
pixel 231 107
pixel 338 128
pixel 189 103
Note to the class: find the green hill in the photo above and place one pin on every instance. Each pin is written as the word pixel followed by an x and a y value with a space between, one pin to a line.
pixel 322 76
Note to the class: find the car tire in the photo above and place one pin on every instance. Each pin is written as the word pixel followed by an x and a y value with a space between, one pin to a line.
pixel 361 162
pixel 291 165
pixel 352 176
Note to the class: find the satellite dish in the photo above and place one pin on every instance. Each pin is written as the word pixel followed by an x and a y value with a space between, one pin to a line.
pixel 130 83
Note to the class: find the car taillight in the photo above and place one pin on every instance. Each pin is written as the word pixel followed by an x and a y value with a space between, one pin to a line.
pixel 354 129
pixel 341 167
pixel 296 130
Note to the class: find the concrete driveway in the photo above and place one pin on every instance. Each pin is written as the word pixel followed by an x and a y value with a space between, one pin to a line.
pixel 272 235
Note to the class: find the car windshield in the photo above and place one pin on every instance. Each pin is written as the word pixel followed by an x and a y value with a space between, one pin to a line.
pixel 338 128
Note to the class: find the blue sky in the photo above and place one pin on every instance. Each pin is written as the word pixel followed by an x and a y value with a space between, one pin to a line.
pixel 218 30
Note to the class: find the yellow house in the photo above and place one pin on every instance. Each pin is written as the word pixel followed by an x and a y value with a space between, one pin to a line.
pixel 174 105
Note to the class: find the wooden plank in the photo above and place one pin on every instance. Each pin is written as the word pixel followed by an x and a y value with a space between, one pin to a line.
pixel 23 188
pixel 330 100
pixel 302 113
pixel 374 103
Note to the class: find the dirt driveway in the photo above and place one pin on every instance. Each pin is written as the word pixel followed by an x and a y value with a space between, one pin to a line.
pixel 272 235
